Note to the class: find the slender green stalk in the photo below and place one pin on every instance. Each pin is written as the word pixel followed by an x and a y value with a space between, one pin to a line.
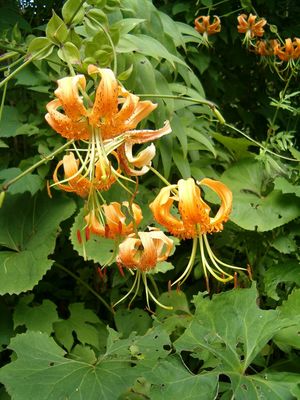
pixel 86 285
pixel 6 185
pixel 3 100
pixel 161 177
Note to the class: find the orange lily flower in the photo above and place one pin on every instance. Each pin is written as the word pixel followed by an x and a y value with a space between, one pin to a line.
pixel 247 25
pixel 113 224
pixel 289 51
pixel 75 182
pixel 195 221
pixel 193 210
pixel 115 111
pixel 266 48
pixel 203 25
pixel 142 251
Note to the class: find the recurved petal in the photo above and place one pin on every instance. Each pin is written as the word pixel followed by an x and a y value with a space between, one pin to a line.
pixel 67 92
pixel 106 99
pixel 64 125
pixel 141 111
pixel 225 194
pixel 143 136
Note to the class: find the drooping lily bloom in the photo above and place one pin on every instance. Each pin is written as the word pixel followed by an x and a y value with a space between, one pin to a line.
pixel 75 181
pixel 194 212
pixel 114 223
pixel 249 26
pixel 203 25
pixel 266 48
pixel 115 111
pixel 194 221
pixel 142 251
pixel 289 51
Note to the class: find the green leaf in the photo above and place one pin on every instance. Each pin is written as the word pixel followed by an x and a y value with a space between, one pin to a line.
pixel 29 183
pixel 171 380
pixel 239 146
pixel 29 228
pixel 3 145
pixel 71 13
pixel 68 52
pixel 35 318
pixel 56 29
pixel 135 320
pixel 42 372
pixel 40 47
pixel 97 249
pixel 6 325
pixel 126 25
pixel 289 337
pixel 9 122
pixel 232 328
pixel 82 322
pixel 252 208
pixel 279 273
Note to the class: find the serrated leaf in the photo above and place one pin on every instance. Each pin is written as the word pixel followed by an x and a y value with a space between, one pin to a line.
pixel 281 273
pixel 35 318
pixel 280 183
pixel 81 322
pixel 28 230
pixel 231 327
pixel 28 183
pixel 253 209
pixel 97 249
pixel 42 372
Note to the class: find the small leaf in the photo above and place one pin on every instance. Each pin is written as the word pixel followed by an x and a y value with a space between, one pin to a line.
pixel 56 29
pixel 69 53
pixel 135 320
pixel 30 182
pixel 10 122
pixel 71 13
pixel 40 47
pixel 280 273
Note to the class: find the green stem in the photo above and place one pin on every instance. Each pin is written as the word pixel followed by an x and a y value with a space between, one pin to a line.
pixel 259 144
pixel 76 11
pixel 10 48
pixel 49 157
pixel 2 101
pixel 30 59
pixel 162 178
pixel 86 285
pixel 8 55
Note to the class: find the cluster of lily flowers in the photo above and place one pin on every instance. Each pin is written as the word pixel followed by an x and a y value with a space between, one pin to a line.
pixel 102 128
pixel 253 29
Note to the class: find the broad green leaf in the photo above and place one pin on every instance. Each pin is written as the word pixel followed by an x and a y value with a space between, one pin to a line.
pixel 56 29
pixel 42 372
pixel 289 337
pixel 232 328
pixel 35 318
pixel 96 248
pixel 126 25
pixel 285 244
pixel 239 146
pixel 202 139
pixel 9 122
pixel 29 227
pixel 68 52
pixel 148 46
pixel 252 208
pixel 31 76
pixel 29 183
pixel 135 320
pixel 279 273
pixel 82 322
pixel 3 145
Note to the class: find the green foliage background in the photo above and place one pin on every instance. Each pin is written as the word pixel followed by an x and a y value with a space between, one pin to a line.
pixel 58 336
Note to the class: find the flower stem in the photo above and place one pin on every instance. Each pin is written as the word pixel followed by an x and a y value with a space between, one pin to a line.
pixel 49 157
